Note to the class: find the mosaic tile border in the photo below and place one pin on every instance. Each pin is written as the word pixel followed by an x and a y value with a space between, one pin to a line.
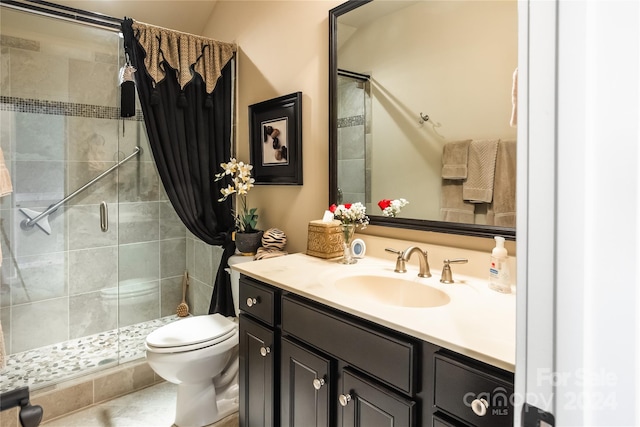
pixel 39 106
pixel 346 122
pixel 63 361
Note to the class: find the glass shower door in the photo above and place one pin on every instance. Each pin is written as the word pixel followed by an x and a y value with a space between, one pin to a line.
pixel 60 127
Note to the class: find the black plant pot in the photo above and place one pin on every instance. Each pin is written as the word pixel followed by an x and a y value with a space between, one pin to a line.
pixel 248 243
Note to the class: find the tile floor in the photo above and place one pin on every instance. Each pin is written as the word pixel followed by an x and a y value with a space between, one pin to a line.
pixel 151 407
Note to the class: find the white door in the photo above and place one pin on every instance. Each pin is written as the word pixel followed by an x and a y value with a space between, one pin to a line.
pixel 578 343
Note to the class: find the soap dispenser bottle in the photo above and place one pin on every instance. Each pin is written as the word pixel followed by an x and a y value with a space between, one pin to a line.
pixel 499 268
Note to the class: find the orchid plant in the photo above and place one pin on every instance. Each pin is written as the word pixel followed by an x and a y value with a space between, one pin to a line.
pixel 391 208
pixel 241 182
pixel 350 213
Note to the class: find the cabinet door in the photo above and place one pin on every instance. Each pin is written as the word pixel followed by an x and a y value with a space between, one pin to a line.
pixel 365 404
pixel 256 377
pixel 304 397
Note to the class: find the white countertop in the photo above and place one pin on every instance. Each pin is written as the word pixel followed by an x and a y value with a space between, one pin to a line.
pixel 477 322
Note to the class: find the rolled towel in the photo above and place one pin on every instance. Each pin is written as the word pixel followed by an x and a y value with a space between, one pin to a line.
pixel 274 238
pixel 454 159
pixel 264 253
pixel 478 188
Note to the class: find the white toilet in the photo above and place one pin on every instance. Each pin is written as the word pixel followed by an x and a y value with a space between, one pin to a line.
pixel 200 355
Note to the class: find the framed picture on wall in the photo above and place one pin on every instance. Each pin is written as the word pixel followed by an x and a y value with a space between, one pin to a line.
pixel 275 138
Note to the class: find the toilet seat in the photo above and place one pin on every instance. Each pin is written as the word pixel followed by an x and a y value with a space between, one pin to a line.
pixel 192 333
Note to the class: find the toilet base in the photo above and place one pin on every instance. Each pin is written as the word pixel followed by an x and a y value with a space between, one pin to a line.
pixel 197 404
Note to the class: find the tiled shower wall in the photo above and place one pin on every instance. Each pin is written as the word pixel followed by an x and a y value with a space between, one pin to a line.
pixel 59 128
pixel 354 136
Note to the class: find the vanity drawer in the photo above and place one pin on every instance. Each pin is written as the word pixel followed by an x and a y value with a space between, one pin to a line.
pixel 439 422
pixel 463 391
pixel 258 300
pixel 390 358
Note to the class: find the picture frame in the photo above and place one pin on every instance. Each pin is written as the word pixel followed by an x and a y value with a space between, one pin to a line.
pixel 275 140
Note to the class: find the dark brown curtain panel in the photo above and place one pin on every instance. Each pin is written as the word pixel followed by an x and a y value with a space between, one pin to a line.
pixel 184 84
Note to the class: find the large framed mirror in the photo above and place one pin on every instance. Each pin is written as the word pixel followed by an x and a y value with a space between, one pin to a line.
pixel 406 80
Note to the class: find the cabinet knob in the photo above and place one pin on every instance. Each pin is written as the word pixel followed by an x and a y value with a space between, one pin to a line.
pixel 252 301
pixel 479 407
pixel 344 399
pixel 318 383
pixel 264 350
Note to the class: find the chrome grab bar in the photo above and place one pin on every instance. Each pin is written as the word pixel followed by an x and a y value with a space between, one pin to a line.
pixel 33 217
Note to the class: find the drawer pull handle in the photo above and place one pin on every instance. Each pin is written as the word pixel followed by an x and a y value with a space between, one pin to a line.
pixel 318 383
pixel 479 407
pixel 344 399
pixel 264 351
pixel 252 301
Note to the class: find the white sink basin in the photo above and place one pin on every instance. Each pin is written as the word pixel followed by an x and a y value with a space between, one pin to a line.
pixel 392 291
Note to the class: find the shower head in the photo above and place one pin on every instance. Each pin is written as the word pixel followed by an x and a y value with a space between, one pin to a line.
pixel 42 223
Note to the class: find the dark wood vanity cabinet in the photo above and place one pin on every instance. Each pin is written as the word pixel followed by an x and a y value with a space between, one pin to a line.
pixel 304 386
pixel 303 364
pixel 259 359
pixel 369 374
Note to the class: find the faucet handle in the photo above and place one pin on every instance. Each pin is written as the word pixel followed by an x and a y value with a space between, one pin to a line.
pixel 456 261
pixel 446 276
pixel 400 266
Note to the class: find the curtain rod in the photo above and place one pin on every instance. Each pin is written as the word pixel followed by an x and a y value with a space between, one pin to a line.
pixel 46 8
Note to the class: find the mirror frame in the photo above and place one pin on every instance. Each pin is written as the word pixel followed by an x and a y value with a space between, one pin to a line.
pixel 475 230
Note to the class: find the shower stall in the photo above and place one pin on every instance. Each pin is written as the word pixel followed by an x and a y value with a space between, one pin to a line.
pixel 82 295
pixel 354 138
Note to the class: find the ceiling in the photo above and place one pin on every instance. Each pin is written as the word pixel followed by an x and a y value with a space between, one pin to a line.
pixel 190 16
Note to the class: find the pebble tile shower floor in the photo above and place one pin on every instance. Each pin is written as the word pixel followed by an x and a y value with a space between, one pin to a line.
pixel 48 365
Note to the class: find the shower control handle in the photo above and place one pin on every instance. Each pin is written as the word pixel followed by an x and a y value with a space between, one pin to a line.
pixel 252 301
pixel 265 350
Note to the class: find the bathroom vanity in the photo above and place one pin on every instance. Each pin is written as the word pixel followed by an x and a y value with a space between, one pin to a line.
pixel 314 354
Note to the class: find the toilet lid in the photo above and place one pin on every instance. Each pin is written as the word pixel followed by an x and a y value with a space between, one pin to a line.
pixel 192 330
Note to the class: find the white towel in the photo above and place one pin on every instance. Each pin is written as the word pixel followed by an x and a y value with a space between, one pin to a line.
pixel 481 167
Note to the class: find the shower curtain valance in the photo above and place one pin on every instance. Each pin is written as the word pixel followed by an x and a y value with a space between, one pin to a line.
pixel 184 53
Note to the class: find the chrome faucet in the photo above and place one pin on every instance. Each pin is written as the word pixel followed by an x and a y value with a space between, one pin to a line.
pixel 405 255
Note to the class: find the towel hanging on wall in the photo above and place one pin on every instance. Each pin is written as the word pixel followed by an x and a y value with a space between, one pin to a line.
pixel 481 167
pixel 514 100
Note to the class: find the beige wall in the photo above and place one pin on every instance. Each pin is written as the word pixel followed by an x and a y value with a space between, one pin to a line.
pixel 283 48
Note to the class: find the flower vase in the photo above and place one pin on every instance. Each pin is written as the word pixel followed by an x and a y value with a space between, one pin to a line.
pixel 347 236
pixel 248 243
